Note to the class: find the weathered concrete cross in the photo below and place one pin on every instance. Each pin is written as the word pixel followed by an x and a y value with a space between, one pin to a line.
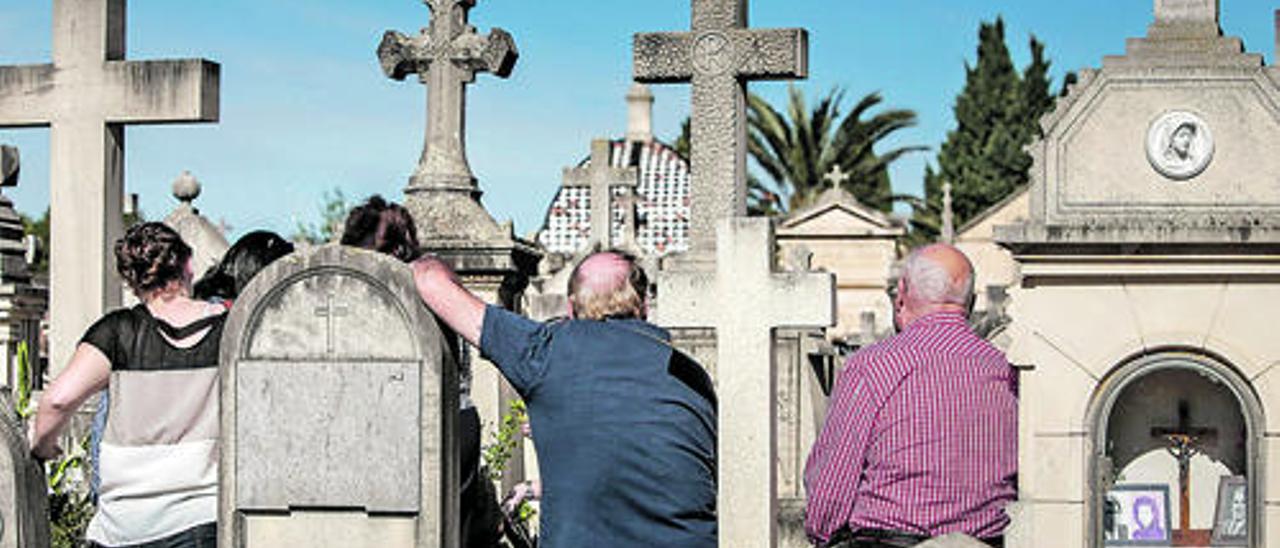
pixel 745 300
pixel 446 57
pixel 87 95
pixel 719 56
pixel 601 177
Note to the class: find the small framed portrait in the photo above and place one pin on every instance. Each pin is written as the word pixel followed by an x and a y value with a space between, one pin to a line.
pixel 1137 515
pixel 1231 518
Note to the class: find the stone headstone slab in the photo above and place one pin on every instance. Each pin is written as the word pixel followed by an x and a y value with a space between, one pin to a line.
pixel 24 511
pixel 339 396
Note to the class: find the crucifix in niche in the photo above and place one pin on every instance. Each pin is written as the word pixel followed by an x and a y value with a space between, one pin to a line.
pixel 1185 442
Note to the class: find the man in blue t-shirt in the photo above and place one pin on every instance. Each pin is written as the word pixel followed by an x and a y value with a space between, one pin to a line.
pixel 625 425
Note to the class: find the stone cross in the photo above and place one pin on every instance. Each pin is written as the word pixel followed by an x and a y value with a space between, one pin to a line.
pixel 87 96
pixel 601 177
pixel 948 229
pixel 836 176
pixel 719 56
pixel 446 56
pixel 1185 442
pixel 745 300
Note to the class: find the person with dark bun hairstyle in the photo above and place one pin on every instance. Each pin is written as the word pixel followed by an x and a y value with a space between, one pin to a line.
pixel 159 361
pixel 248 256
pixel 387 227
pixel 382 226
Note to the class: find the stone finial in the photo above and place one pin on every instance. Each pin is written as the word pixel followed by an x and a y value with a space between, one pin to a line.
pixel 948 215
pixel 9 166
pixel 186 188
pixel 1186 11
pixel 836 176
pixel 639 114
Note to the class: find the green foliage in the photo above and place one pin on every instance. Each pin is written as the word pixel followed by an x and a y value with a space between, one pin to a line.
pixel 997 115
pixel 797 150
pixel 333 212
pixel 70 506
pixel 22 401
pixel 498 454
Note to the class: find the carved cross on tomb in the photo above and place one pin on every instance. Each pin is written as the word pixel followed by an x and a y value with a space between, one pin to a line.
pixel 87 96
pixel 330 312
pixel 601 177
pixel 745 300
pixel 718 57
pixel 1185 442
pixel 446 56
pixel 836 176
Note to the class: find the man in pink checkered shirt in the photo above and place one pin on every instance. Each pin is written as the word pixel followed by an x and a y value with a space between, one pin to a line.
pixel 921 433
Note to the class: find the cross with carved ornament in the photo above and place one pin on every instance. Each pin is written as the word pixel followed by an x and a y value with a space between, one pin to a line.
pixel 446 56
pixel 718 57
pixel 1185 442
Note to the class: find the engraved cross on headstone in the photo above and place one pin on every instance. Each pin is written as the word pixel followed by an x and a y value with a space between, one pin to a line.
pixel 745 360
pixel 601 177
pixel 87 96
pixel 719 56
pixel 446 57
pixel 330 312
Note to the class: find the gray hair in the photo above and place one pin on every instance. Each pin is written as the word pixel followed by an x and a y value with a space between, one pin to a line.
pixel 928 281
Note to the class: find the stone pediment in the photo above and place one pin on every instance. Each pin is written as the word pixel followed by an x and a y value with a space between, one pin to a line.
pixel 838 213
pixel 1173 142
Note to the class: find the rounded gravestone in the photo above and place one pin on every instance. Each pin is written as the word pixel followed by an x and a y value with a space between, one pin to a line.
pixel 1179 145
pixel 339 395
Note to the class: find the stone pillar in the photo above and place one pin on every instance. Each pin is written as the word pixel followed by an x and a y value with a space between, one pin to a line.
pixel 22 303
pixel 639 114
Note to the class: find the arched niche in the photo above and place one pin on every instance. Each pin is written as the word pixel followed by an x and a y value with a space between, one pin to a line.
pixel 1176 390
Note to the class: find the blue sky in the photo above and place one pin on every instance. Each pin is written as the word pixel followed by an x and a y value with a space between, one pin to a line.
pixel 306 109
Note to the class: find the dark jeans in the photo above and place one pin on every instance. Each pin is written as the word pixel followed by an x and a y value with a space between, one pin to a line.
pixel 200 536
pixel 879 538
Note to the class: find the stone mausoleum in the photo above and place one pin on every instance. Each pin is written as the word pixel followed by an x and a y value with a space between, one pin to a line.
pixel 1148 271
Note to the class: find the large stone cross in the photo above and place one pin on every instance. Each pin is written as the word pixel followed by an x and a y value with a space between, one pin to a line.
pixel 446 57
pixel 87 96
pixel 745 300
pixel 601 177
pixel 719 56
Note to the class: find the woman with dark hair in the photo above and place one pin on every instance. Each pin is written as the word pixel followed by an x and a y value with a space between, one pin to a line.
pixel 249 255
pixel 159 453
pixel 387 227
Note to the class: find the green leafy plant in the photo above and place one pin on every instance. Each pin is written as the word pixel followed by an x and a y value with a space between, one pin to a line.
pixel 70 505
pixel 22 401
pixel 497 455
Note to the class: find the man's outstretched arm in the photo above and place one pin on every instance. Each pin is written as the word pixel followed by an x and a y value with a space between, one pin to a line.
pixel 443 293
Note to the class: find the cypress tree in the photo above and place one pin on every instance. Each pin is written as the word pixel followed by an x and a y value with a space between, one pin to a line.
pixel 997 114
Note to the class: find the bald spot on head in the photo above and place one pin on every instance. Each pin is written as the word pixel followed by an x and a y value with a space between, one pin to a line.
pixel 601 287
pixel 939 274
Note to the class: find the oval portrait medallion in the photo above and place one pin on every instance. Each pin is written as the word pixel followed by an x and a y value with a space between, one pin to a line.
pixel 1179 145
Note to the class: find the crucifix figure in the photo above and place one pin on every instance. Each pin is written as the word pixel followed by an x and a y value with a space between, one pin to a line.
pixel 718 57
pixel 746 377
pixel 446 56
pixel 601 177
pixel 836 176
pixel 87 96
pixel 330 312
pixel 1185 442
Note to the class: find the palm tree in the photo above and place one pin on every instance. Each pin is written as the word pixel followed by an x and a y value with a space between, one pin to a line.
pixel 797 150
